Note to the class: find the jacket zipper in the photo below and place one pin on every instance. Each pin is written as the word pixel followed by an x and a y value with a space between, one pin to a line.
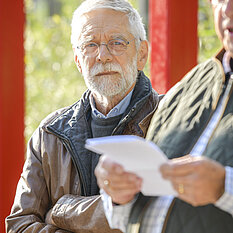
pixel 77 166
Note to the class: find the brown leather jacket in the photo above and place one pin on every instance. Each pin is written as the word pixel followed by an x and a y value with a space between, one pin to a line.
pixel 58 174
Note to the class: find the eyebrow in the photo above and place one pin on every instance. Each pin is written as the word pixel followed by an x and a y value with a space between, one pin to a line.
pixel 86 38
pixel 118 36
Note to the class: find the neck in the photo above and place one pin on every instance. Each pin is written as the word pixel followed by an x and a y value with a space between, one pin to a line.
pixel 105 103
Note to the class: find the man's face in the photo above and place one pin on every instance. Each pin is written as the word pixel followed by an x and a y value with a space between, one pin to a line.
pixel 105 73
pixel 223 17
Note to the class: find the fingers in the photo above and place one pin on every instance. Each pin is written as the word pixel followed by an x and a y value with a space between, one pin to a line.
pixel 123 181
pixel 106 166
pixel 114 173
pixel 116 182
pixel 198 180
pixel 181 166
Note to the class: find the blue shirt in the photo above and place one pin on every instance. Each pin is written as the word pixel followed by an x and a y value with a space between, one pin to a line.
pixel 117 110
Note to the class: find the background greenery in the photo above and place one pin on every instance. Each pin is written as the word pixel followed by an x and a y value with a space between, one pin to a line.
pixel 52 79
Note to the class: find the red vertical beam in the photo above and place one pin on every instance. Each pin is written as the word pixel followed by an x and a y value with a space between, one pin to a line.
pixel 173 37
pixel 12 20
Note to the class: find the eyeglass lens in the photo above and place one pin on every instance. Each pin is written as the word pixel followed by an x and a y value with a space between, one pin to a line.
pixel 115 47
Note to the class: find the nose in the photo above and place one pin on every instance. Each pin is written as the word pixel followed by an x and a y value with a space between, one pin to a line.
pixel 104 54
pixel 228 9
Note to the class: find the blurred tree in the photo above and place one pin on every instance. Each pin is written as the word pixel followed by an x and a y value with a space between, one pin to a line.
pixel 208 41
pixel 52 79
pixel 54 7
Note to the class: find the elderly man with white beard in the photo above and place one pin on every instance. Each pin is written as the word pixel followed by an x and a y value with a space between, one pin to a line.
pixel 57 191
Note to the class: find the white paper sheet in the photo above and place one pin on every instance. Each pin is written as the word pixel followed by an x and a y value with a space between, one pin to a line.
pixel 136 155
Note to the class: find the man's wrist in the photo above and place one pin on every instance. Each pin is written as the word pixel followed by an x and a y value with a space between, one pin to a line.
pixel 117 215
pixel 225 202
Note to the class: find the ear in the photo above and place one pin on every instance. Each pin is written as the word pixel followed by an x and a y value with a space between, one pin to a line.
pixel 76 60
pixel 142 55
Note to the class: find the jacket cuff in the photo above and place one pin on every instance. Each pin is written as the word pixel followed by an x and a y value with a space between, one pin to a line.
pixel 59 210
pixel 225 202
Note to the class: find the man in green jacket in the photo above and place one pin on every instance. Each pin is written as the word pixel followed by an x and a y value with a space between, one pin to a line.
pixel 194 128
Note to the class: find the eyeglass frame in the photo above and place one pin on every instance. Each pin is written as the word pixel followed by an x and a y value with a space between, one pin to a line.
pixel 106 44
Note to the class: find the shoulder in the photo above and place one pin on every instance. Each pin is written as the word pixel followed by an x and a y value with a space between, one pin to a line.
pixel 210 67
pixel 59 113
pixel 210 70
pixel 66 113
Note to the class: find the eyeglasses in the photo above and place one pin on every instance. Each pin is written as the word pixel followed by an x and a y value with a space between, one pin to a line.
pixel 116 47
pixel 219 2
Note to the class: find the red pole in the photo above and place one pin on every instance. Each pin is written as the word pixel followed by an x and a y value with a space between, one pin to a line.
pixel 173 37
pixel 12 20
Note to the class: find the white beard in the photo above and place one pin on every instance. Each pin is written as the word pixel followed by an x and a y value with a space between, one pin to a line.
pixel 110 85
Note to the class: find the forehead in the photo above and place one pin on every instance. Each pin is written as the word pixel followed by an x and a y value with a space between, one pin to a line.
pixel 103 21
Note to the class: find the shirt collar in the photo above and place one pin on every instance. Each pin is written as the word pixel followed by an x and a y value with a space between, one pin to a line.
pixel 226 62
pixel 117 110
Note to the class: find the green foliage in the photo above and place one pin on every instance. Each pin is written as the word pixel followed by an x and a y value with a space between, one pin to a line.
pixel 52 79
pixel 208 41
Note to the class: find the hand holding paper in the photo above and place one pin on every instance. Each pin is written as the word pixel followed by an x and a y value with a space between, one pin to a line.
pixel 136 155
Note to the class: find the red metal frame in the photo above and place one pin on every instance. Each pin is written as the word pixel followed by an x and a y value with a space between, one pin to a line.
pixel 12 20
pixel 173 37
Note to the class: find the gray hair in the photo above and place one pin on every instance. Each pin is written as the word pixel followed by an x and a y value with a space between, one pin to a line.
pixel 135 21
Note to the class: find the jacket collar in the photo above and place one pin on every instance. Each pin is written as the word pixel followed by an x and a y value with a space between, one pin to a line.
pixel 70 118
pixel 219 54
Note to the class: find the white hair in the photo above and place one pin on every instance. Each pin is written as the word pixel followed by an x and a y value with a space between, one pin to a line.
pixel 135 21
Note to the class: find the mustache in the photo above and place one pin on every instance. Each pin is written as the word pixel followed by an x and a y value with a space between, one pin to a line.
pixel 100 68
